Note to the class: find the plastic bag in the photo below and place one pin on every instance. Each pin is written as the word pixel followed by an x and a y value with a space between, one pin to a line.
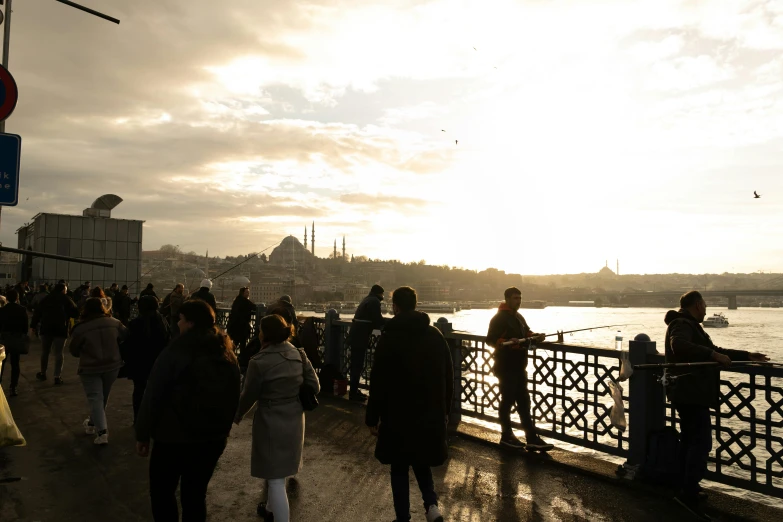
pixel 617 411
pixel 626 370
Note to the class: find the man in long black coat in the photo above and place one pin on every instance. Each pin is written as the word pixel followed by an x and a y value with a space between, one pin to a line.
pixel 411 389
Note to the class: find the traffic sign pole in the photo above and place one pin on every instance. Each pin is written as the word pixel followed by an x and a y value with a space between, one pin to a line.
pixel 6 43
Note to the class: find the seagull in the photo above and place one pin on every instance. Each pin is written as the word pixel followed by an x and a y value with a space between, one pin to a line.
pixel 755 195
pixel 442 130
pixel 475 49
pixel 456 142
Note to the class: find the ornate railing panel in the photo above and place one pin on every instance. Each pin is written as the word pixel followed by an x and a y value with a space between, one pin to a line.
pixel 747 448
pixel 345 360
pixel 569 391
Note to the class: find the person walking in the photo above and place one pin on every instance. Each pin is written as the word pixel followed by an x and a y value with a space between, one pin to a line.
pixel 98 293
pixel 13 330
pixel 148 335
pixel 54 314
pixel 205 295
pixel 511 370
pixel 95 341
pixel 273 380
pixel 367 318
pixel 238 327
pixel 170 307
pixel 122 305
pixel 695 391
pixel 187 410
pixel 411 391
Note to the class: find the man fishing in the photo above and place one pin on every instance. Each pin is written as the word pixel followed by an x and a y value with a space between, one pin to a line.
pixel 510 368
pixel 694 391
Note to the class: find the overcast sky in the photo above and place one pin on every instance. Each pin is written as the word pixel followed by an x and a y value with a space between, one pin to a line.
pixel 588 130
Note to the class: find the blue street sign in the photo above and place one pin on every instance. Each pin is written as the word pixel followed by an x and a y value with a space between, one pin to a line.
pixel 10 156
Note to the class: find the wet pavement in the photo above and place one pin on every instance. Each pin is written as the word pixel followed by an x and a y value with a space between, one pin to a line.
pixel 64 477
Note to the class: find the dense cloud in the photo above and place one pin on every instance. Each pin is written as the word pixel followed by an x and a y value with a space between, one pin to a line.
pixel 229 127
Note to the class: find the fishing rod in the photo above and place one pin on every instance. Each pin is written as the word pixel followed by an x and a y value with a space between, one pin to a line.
pixel 558 334
pixel 145 274
pixel 243 262
pixel 706 363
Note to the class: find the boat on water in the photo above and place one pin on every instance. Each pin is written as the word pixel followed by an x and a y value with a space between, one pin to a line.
pixel 537 305
pixel 439 308
pixel 716 321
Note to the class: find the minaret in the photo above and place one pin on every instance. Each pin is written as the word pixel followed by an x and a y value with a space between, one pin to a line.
pixel 335 249
pixel 312 239
pixel 617 272
pixel 305 243
pixel 343 248
pixel 206 268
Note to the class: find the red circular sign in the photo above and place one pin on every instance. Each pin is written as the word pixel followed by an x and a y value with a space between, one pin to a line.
pixel 9 94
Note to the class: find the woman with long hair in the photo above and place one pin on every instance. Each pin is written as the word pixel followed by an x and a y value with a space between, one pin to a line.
pixel 98 292
pixel 273 379
pixel 95 341
pixel 191 398
pixel 148 335
pixel 238 327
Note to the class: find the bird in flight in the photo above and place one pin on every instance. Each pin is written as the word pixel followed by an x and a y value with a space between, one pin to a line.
pixel 755 195
pixel 456 142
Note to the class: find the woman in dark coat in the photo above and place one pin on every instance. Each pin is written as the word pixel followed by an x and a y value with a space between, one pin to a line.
pixel 239 320
pixel 148 335
pixel 13 328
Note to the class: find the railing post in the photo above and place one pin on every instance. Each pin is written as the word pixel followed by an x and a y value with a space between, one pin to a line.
pixel 260 312
pixel 646 404
pixel 333 339
pixel 455 417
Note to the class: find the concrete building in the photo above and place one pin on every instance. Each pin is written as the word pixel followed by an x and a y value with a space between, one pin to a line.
pixel 267 290
pixel 94 235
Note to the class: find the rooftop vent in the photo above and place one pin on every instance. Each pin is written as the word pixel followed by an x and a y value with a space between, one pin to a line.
pixel 102 206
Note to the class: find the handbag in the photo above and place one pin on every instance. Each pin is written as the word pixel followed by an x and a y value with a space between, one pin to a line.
pixel 306 393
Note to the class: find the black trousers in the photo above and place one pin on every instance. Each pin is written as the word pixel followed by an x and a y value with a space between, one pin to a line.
pixel 11 358
pixel 359 337
pixel 695 446
pixel 139 385
pixel 513 392
pixel 191 466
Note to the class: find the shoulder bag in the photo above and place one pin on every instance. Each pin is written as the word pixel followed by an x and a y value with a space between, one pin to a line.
pixel 306 393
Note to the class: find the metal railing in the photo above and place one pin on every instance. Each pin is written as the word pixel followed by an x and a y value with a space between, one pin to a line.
pixel 570 401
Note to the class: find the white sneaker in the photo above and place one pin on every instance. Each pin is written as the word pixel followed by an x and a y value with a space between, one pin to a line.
pixel 104 439
pixel 89 429
pixel 433 514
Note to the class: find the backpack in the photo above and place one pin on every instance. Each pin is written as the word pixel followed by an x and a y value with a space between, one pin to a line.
pixel 662 467
pixel 206 397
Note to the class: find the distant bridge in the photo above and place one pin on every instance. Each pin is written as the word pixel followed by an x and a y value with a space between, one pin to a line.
pixel 730 293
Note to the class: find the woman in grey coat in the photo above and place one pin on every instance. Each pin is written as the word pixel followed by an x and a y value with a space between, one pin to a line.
pixel 273 379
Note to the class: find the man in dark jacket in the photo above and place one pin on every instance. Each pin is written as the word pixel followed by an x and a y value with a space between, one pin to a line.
pixel 121 305
pixel 367 318
pixel 695 391
pixel 510 368
pixel 205 295
pixel 54 314
pixel 13 328
pixel 411 389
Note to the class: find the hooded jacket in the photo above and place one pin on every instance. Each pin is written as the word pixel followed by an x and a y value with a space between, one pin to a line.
pixel 411 389
pixel 686 341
